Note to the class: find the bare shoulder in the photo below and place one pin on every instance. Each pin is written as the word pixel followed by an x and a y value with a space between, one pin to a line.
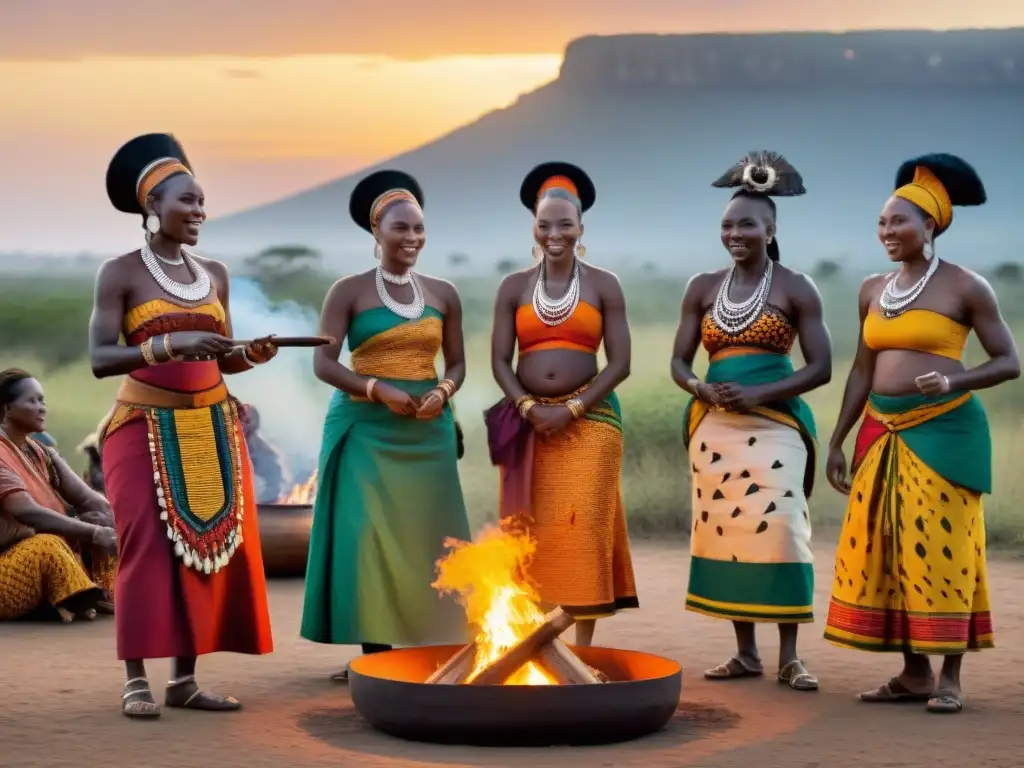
pixel 348 286
pixel 705 281
pixel 113 272
pixel 799 282
pixel 217 269
pixel 607 281
pixel 443 288
pixel 968 282
pixel 515 283
pixel 872 285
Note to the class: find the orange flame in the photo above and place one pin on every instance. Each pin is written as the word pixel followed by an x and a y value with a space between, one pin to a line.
pixel 301 493
pixel 486 576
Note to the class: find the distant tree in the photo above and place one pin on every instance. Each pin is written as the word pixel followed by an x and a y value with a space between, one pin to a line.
pixel 458 259
pixel 1009 272
pixel 649 267
pixel 285 258
pixel 505 266
pixel 826 269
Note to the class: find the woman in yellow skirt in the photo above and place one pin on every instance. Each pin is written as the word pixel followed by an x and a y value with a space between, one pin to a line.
pixel 41 546
pixel 910 574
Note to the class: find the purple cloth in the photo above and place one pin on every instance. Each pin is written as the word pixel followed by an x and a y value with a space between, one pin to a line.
pixel 510 441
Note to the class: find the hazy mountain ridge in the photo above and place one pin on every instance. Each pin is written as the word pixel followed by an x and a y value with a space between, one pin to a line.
pixel 655 118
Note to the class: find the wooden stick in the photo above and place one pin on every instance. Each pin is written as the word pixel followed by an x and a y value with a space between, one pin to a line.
pixel 456 669
pixel 563 665
pixel 503 668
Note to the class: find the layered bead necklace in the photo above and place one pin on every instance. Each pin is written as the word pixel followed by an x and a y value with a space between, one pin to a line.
pixel 191 292
pixel 556 311
pixel 734 317
pixel 895 301
pixel 412 311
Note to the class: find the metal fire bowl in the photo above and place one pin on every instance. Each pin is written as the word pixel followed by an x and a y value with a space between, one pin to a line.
pixel 388 690
pixel 284 538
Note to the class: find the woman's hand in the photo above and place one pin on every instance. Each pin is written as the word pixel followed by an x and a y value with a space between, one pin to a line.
pixel 932 384
pixel 94 517
pixel 197 345
pixel 548 419
pixel 707 394
pixel 735 397
pixel 836 470
pixel 431 404
pixel 397 401
pixel 261 350
pixel 105 539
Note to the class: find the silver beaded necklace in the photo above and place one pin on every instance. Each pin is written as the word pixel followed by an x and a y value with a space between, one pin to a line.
pixel 191 292
pixel 556 311
pixel 733 317
pixel 412 311
pixel 895 300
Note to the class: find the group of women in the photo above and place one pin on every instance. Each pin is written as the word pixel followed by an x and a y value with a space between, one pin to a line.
pixel 910 569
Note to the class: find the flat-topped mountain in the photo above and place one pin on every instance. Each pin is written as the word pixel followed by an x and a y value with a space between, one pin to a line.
pixel 655 118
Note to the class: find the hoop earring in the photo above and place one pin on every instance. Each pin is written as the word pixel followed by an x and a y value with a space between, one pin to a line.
pixel 581 250
pixel 378 252
pixel 538 253
pixel 153 224
pixel 770 240
pixel 928 250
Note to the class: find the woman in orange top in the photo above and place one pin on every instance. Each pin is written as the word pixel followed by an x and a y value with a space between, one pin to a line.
pixel 910 571
pixel 190 578
pixel 561 416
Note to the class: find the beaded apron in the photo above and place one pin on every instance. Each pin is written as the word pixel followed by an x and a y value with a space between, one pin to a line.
pixel 197 470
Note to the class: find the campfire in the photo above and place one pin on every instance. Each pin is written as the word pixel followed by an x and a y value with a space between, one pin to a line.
pixel 301 493
pixel 516 643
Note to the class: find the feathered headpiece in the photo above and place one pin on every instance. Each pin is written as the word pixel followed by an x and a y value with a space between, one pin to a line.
pixel 764 172
pixel 937 182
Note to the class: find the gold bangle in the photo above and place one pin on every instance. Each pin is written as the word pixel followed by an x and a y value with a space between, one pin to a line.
pixel 370 383
pixel 168 349
pixel 576 407
pixel 520 400
pixel 449 388
pixel 526 406
pixel 146 348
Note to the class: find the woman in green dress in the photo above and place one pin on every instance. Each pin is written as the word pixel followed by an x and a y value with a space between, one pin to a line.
pixel 389 493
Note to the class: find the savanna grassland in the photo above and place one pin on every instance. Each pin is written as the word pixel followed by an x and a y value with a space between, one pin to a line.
pixel 43 327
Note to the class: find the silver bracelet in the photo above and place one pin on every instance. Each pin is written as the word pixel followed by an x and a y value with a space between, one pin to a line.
pixel 245 357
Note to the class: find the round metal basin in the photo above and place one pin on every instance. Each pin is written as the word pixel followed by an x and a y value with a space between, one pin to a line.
pixel 388 690
pixel 284 538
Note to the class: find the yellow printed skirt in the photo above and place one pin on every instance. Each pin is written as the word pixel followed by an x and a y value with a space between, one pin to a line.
pixel 910 572
pixel 41 570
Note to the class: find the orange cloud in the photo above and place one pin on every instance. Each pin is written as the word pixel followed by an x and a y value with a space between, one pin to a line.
pixel 417 29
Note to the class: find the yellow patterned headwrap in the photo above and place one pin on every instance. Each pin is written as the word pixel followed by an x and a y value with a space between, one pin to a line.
pixel 389 197
pixel 155 174
pixel 928 194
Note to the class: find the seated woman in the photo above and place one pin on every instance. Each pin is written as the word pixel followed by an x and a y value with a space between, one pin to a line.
pixel 41 545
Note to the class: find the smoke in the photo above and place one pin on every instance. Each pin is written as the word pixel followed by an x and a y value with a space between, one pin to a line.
pixel 292 402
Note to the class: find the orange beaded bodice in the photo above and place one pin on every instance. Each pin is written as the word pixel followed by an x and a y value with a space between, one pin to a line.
pixel 771 332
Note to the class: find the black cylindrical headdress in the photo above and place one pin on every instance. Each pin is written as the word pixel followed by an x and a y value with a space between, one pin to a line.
pixel 377 192
pixel 140 166
pixel 563 180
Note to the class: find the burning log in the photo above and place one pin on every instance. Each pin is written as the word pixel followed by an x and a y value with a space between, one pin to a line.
pixel 563 665
pixel 499 671
pixel 456 669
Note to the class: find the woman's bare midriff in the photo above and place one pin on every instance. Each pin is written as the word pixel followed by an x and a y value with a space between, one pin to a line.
pixel 555 372
pixel 896 370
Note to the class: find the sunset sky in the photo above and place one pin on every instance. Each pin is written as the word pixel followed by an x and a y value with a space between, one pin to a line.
pixel 270 98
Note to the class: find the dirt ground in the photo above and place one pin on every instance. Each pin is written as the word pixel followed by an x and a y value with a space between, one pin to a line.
pixel 62 691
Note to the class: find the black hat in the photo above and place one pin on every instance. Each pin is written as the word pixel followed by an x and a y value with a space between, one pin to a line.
pixel 765 173
pixel 370 189
pixel 536 182
pixel 138 156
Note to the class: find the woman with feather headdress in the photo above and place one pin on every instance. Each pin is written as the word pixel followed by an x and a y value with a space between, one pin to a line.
pixel 910 571
pixel 750 436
